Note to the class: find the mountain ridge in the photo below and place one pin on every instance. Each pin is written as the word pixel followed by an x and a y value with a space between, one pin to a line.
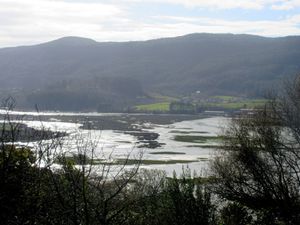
pixel 235 64
pixel 149 40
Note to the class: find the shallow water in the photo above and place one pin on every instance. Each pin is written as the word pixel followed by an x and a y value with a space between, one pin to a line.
pixel 109 144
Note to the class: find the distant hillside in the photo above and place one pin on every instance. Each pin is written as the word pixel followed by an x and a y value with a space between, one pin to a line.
pixel 75 73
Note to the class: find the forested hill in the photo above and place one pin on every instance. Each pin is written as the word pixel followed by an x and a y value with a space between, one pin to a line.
pixel 59 73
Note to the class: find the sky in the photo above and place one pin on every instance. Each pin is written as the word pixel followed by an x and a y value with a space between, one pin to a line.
pixel 27 22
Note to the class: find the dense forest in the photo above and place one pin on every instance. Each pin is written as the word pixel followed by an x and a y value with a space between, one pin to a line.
pixel 102 73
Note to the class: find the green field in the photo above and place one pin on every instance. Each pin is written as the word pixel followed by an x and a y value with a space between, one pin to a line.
pixel 224 102
pixel 206 146
pixel 150 162
pixel 162 98
pixel 162 103
pixel 197 139
pixel 248 104
pixel 224 97
pixel 156 107
pixel 167 153
pixel 84 160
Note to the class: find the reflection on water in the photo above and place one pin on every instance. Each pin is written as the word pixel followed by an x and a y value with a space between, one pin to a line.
pixel 119 144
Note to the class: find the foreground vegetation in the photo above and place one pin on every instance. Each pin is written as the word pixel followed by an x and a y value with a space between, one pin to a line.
pixel 253 181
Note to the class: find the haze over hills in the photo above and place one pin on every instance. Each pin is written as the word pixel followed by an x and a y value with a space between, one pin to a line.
pixel 75 73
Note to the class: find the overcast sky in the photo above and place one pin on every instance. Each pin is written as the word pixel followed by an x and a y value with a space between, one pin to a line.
pixel 24 22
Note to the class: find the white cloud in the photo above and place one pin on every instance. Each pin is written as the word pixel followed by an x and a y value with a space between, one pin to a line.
pixel 40 20
pixel 175 26
pixel 287 5
pixel 35 21
pixel 218 4
pixel 288 26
